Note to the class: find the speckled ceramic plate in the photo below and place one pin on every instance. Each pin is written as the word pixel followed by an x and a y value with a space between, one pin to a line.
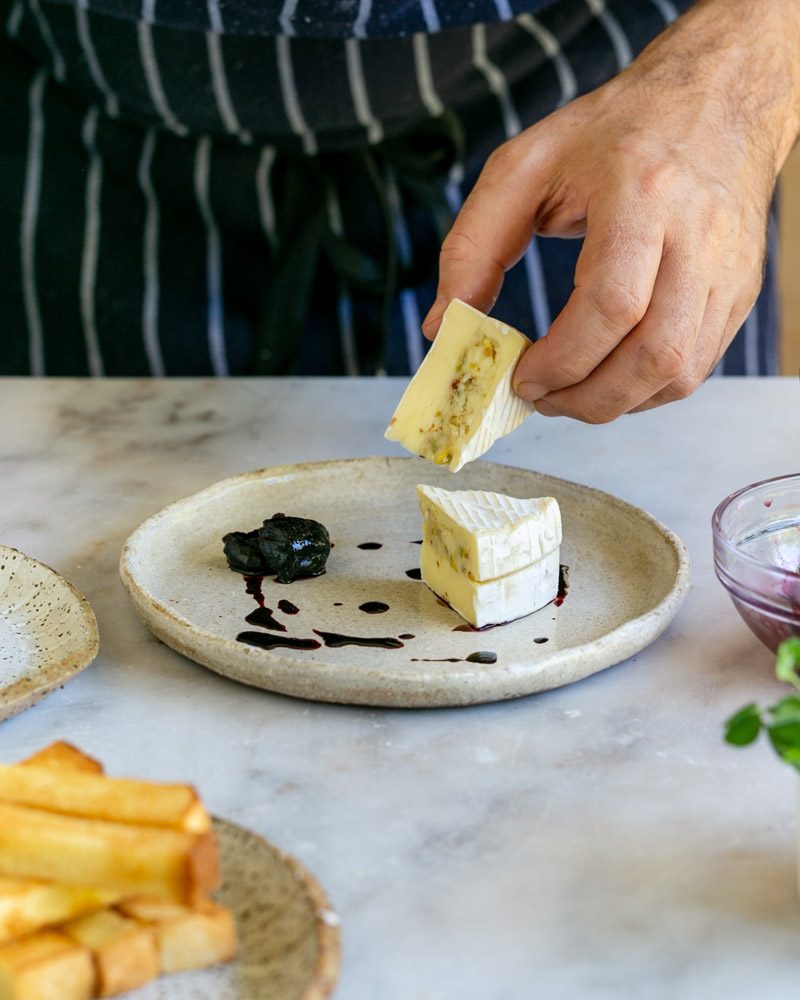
pixel 288 932
pixel 48 632
pixel 628 576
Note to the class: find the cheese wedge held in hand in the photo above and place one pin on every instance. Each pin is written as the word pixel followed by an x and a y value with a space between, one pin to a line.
pixel 461 401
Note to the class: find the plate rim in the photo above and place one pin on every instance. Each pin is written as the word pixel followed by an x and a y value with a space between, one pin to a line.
pixel 658 616
pixel 61 672
pixel 327 933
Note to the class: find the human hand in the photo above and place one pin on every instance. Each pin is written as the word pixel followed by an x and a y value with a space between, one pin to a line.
pixel 668 170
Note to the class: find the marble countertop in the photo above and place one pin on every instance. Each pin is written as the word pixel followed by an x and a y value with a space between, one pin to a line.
pixel 598 841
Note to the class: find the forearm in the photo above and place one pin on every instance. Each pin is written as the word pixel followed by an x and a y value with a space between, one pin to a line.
pixel 745 55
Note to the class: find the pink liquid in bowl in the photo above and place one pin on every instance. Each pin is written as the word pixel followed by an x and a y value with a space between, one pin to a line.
pixel 757 556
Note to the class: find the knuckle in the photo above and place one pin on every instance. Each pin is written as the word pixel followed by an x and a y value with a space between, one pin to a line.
pixel 621 306
pixel 458 247
pixel 657 179
pixel 684 387
pixel 661 361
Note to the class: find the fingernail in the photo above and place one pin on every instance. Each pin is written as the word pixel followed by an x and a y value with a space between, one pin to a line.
pixel 530 391
pixel 431 322
pixel 547 409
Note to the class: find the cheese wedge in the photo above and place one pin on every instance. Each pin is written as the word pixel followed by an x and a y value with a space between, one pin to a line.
pixel 486 535
pixel 493 558
pixel 461 401
pixel 493 602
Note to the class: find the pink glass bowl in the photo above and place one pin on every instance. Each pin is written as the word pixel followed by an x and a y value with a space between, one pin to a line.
pixel 757 556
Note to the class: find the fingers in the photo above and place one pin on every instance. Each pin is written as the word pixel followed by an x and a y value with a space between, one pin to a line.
pixel 656 354
pixel 491 233
pixel 614 281
pixel 718 329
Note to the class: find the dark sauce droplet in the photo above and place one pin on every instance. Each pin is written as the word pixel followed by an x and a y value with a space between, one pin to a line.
pixel 335 640
pixel 265 641
pixel 417 541
pixel 287 607
pixel 414 574
pixel 252 585
pixel 264 619
pixel 541 639
pixel 466 627
pixel 373 607
pixel 563 585
pixel 426 659
pixel 337 604
pixel 482 657
pixel 406 635
pixel 371 545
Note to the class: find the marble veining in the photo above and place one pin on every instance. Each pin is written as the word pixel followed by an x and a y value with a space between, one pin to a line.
pixel 598 841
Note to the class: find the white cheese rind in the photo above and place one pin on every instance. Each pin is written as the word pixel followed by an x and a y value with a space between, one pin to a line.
pixel 421 422
pixel 495 601
pixel 487 535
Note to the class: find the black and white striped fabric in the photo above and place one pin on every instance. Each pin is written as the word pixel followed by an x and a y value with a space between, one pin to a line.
pixel 148 145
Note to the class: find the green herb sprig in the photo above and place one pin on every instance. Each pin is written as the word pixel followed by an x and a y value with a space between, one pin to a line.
pixel 781 721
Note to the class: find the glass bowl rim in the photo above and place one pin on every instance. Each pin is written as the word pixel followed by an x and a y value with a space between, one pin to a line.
pixel 721 539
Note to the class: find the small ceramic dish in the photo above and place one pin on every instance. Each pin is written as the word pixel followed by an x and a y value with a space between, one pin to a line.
pixel 288 932
pixel 48 632
pixel 757 556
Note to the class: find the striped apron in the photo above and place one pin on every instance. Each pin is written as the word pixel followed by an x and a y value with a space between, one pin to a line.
pixel 246 186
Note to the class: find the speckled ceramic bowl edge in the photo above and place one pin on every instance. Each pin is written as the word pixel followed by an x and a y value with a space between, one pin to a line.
pixel 20 696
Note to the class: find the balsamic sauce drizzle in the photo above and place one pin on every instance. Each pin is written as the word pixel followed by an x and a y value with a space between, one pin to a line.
pixel 264 618
pixel 373 607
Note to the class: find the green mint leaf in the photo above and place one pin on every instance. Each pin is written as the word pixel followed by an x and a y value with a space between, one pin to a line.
pixel 788 662
pixel 743 727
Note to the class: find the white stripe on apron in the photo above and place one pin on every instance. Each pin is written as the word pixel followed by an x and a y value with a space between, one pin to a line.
pixel 150 264
pixel 266 205
pixel 59 68
pixel 219 83
pixel 667 9
pixel 499 87
pixel 291 101
pixel 216 318
pixel 408 298
pixel 504 10
pixel 286 17
pixel 14 19
pixel 431 15
pixel 149 61
pixel 551 48
pixel 90 54
pixel 344 305
pixel 29 222
pixel 622 47
pixel 751 343
pixel 362 18
pixel 422 68
pixel 358 90
pixel 91 243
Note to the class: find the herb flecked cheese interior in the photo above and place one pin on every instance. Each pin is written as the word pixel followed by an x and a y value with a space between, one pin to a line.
pixel 461 400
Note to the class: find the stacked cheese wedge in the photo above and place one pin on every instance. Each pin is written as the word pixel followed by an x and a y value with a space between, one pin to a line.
pixel 461 399
pixel 104 882
pixel 493 558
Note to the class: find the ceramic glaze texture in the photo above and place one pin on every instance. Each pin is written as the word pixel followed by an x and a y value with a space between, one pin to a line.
pixel 628 576
pixel 48 632
pixel 288 932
